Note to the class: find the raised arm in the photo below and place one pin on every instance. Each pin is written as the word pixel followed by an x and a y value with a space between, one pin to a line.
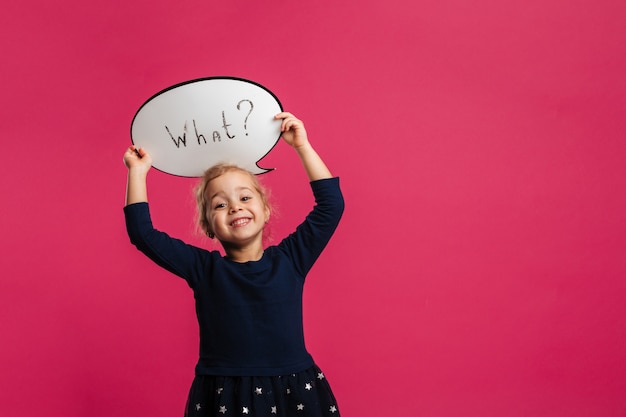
pixel 138 163
pixel 294 133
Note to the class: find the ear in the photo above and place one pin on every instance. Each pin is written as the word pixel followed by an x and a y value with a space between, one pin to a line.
pixel 267 214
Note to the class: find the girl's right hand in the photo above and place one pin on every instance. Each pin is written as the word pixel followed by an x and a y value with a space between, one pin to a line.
pixel 137 158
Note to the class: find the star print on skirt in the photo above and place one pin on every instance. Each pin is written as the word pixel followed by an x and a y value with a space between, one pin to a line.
pixel 305 394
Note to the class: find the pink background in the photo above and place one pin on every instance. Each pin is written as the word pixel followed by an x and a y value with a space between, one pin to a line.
pixel 480 266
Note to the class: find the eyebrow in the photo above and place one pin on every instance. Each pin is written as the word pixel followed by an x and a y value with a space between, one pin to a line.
pixel 239 189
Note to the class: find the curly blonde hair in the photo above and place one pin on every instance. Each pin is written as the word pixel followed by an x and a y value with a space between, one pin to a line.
pixel 211 174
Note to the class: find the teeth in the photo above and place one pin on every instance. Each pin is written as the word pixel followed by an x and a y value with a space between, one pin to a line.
pixel 239 222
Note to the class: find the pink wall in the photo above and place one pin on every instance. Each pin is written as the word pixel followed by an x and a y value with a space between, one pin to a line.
pixel 480 267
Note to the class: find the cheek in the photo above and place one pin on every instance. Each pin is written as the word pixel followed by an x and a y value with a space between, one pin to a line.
pixel 211 220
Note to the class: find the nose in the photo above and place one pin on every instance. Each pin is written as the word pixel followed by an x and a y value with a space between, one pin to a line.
pixel 235 207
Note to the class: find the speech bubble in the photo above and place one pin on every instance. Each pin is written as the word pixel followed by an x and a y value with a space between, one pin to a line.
pixel 194 125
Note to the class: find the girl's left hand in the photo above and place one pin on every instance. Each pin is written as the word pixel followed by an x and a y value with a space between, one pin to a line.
pixel 292 128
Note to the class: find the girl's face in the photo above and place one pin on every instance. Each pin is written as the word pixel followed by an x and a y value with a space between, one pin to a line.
pixel 235 210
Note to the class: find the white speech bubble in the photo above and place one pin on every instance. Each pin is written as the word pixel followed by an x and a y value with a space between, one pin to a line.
pixel 194 125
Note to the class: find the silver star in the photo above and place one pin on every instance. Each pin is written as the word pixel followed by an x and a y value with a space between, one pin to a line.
pixel 333 409
pixel 300 407
pixel 219 390
pixel 288 391
pixel 320 375
pixel 274 410
pixel 308 387
pixel 223 409
pixel 258 391
pixel 245 410
pixel 198 407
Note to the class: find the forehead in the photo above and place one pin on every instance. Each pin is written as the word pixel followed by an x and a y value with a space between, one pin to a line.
pixel 230 181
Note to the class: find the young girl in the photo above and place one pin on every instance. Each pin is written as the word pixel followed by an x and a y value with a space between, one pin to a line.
pixel 253 360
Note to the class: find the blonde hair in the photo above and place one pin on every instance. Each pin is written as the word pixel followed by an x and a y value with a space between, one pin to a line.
pixel 211 174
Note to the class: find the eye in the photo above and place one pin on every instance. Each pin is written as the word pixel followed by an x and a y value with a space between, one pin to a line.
pixel 219 206
pixel 246 198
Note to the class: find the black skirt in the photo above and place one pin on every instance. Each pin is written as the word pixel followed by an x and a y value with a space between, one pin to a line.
pixel 305 394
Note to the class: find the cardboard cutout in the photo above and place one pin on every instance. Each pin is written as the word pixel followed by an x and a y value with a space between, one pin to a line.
pixel 191 126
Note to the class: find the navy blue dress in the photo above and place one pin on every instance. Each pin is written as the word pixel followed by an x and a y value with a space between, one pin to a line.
pixel 253 360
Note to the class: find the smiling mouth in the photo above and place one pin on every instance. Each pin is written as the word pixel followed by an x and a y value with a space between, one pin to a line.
pixel 240 222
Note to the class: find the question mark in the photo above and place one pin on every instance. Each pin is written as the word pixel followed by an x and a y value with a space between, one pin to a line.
pixel 245 122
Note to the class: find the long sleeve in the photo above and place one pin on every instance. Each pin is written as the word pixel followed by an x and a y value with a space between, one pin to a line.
pixel 172 254
pixel 249 314
pixel 306 244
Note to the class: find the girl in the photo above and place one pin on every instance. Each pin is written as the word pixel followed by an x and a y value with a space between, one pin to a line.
pixel 253 360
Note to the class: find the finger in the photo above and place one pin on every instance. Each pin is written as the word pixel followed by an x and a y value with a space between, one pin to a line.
pixel 135 151
pixel 288 124
pixel 285 125
pixel 293 123
pixel 282 115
